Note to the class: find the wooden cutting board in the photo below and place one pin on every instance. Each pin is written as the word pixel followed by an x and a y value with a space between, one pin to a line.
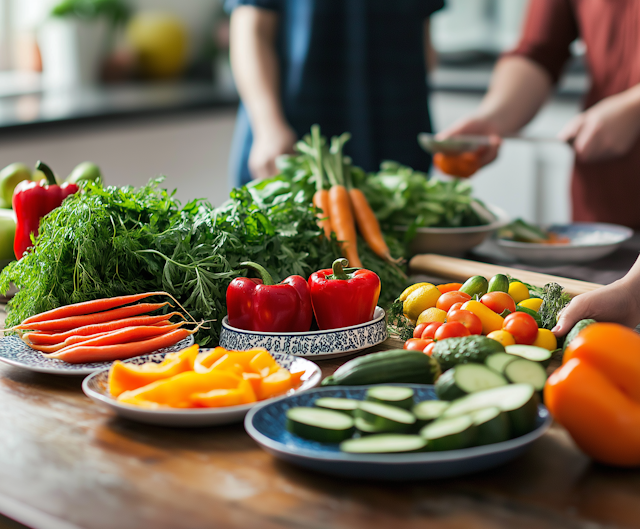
pixel 462 269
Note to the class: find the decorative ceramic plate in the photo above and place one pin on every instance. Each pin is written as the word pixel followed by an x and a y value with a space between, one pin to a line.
pixel 266 425
pixel 15 352
pixel 95 387
pixel 588 242
pixel 313 344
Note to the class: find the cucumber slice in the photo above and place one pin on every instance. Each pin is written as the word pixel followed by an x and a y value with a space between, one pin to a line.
pixel 492 426
pixel 384 444
pixel 317 424
pixel 518 401
pixel 392 395
pixel 498 361
pixel 429 410
pixel 365 427
pixel 529 352
pixel 386 418
pixel 348 406
pixel 449 434
pixel 526 372
pixel 467 378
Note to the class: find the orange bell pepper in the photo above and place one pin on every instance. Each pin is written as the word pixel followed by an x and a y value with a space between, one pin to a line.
pixel 126 376
pixel 215 398
pixel 595 395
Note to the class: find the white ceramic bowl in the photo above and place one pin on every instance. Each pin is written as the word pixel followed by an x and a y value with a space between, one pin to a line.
pixel 95 387
pixel 312 344
pixel 589 242
pixel 455 241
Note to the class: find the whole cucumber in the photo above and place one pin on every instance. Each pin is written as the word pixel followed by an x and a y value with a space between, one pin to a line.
pixel 475 286
pixel 499 283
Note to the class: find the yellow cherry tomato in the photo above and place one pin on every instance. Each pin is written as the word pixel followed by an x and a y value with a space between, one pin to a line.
pixel 531 303
pixel 431 315
pixel 546 339
pixel 409 290
pixel 518 291
pixel 422 298
pixel 503 337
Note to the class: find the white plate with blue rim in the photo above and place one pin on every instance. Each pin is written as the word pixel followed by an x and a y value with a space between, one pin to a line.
pixel 266 424
pixel 317 344
pixel 15 352
pixel 96 388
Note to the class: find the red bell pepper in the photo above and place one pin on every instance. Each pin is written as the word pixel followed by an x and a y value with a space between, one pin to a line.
pixel 342 296
pixel 32 201
pixel 261 305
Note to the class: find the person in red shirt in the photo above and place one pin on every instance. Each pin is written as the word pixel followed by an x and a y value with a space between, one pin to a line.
pixel 605 185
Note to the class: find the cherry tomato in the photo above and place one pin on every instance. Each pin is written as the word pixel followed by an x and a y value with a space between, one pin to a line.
pixel 417 332
pixel 455 306
pixel 453 329
pixel 522 327
pixel 498 302
pixel 446 300
pixel 429 348
pixel 462 165
pixel 416 344
pixel 449 287
pixel 430 330
pixel 468 319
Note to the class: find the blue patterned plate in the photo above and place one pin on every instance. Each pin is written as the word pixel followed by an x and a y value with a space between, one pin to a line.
pixel 266 424
pixel 15 352
pixel 312 344
pixel 95 387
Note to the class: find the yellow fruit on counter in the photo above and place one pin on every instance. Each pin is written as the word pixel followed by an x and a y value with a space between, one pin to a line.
pixel 409 290
pixel 490 320
pixel 160 40
pixel 518 291
pixel 503 337
pixel 546 339
pixel 431 315
pixel 422 298
pixel 531 303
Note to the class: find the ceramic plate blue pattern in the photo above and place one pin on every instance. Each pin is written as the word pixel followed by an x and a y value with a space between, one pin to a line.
pixel 95 387
pixel 312 344
pixel 266 424
pixel 15 352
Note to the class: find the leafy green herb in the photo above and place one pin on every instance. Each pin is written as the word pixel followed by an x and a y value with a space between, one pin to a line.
pixel 398 324
pixel 554 300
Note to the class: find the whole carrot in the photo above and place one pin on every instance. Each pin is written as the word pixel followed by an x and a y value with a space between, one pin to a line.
pixel 368 224
pixel 89 307
pixel 343 224
pixel 321 201
pixel 121 336
pixel 45 338
pixel 66 324
pixel 104 353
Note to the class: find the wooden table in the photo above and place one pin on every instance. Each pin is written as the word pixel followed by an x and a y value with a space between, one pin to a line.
pixel 66 463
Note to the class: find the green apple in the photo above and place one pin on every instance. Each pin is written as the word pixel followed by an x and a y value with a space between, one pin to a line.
pixel 84 172
pixel 10 177
pixel 7 234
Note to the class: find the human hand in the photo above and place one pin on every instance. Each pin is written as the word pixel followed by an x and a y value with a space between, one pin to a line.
pixel 606 130
pixel 476 125
pixel 613 303
pixel 268 144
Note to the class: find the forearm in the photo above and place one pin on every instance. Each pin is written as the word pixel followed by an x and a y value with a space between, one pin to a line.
pixel 518 89
pixel 255 65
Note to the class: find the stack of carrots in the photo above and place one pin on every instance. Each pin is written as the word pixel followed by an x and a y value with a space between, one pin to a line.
pixel 103 329
pixel 343 206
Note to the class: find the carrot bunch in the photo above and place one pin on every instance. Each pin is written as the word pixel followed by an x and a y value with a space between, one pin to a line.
pixel 103 329
pixel 343 206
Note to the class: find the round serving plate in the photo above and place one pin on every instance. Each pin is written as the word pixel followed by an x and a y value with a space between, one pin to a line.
pixel 95 387
pixel 15 352
pixel 266 424
pixel 318 344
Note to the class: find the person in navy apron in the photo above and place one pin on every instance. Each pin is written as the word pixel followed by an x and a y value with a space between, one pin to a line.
pixel 357 66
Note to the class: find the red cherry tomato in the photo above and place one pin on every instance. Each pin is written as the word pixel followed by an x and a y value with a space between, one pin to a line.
pixel 416 344
pixel 468 319
pixel 454 329
pixel 455 306
pixel 498 302
pixel 430 330
pixel 417 332
pixel 522 327
pixel 428 350
pixel 446 300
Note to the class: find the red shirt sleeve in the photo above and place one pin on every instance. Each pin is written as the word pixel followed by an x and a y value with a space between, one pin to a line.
pixel 550 27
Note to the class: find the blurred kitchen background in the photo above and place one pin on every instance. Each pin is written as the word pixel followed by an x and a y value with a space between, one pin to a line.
pixel 143 87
